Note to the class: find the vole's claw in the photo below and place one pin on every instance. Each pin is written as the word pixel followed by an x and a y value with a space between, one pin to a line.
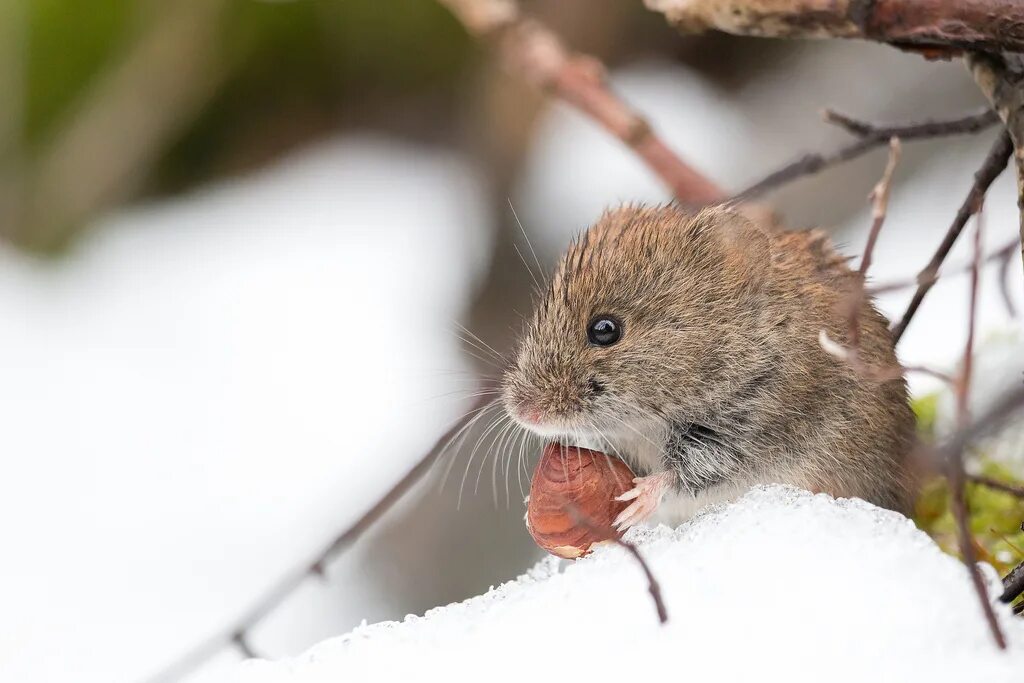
pixel 646 497
pixel 630 494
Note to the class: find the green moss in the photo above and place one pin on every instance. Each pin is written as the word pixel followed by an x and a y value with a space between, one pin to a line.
pixel 995 518
pixel 926 409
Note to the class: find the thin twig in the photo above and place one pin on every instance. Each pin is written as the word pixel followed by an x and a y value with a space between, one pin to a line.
pixel 930 128
pixel 1002 254
pixel 1008 405
pixel 872 136
pixel 1005 255
pixel 992 483
pixel 876 374
pixel 535 53
pixel 237 633
pixel 607 533
pixel 880 204
pixel 955 464
pixel 879 198
pixel 994 164
pixel 853 304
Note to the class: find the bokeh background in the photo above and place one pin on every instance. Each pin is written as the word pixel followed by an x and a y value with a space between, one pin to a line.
pixel 239 240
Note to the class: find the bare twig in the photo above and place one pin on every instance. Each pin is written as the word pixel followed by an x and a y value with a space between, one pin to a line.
pixel 877 374
pixel 879 205
pixel 955 464
pixel 1006 407
pixel 879 197
pixel 535 53
pixel 994 164
pixel 992 483
pixel 952 453
pixel 929 128
pixel 946 26
pixel 854 303
pixel 1002 254
pixel 967 365
pixel 872 136
pixel 607 533
pixel 237 633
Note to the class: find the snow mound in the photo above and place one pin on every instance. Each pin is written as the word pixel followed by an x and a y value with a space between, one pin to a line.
pixel 781 585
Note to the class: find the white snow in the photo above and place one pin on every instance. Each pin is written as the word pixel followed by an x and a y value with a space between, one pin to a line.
pixel 781 585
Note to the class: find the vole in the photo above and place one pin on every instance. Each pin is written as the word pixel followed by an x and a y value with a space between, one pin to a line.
pixel 689 345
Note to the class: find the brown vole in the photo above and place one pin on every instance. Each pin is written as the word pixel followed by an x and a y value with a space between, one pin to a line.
pixel 689 345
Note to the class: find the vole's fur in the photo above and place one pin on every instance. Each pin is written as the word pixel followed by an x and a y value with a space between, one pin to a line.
pixel 719 376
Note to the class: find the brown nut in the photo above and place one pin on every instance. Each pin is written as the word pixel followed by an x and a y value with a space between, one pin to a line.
pixel 572 499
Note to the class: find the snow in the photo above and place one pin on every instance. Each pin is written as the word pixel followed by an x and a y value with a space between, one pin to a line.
pixel 781 585
pixel 207 388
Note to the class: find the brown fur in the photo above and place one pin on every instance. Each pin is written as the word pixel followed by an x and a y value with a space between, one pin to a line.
pixel 719 364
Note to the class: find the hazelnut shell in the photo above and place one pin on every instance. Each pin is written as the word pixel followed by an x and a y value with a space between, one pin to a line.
pixel 572 499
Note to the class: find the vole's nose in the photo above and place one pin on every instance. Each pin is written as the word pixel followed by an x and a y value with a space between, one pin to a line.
pixel 529 413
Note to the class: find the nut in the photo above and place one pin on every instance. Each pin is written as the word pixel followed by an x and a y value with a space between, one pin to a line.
pixel 572 499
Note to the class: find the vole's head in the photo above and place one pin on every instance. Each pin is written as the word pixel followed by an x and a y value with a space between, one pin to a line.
pixel 652 315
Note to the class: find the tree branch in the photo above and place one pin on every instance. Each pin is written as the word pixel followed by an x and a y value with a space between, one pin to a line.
pixel 873 136
pixel 994 164
pixel 949 25
pixel 1002 81
pixel 535 53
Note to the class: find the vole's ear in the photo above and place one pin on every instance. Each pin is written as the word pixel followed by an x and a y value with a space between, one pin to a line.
pixel 743 247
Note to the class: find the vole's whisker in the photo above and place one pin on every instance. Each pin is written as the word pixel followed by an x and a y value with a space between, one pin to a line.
pixel 459 437
pixel 481 344
pixel 540 268
pixel 469 463
pixel 536 284
pixel 480 358
pixel 520 465
pixel 519 437
pixel 465 393
pixel 618 479
pixel 496 445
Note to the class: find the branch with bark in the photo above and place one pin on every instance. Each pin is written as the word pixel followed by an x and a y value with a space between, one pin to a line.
pixel 1001 78
pixel 946 25
pixel 532 51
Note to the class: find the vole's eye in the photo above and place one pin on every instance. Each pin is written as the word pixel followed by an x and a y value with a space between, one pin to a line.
pixel 604 330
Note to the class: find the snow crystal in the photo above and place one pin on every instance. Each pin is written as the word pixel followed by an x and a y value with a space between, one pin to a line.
pixel 782 584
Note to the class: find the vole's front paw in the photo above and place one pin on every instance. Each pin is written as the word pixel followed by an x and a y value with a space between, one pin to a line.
pixel 646 497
